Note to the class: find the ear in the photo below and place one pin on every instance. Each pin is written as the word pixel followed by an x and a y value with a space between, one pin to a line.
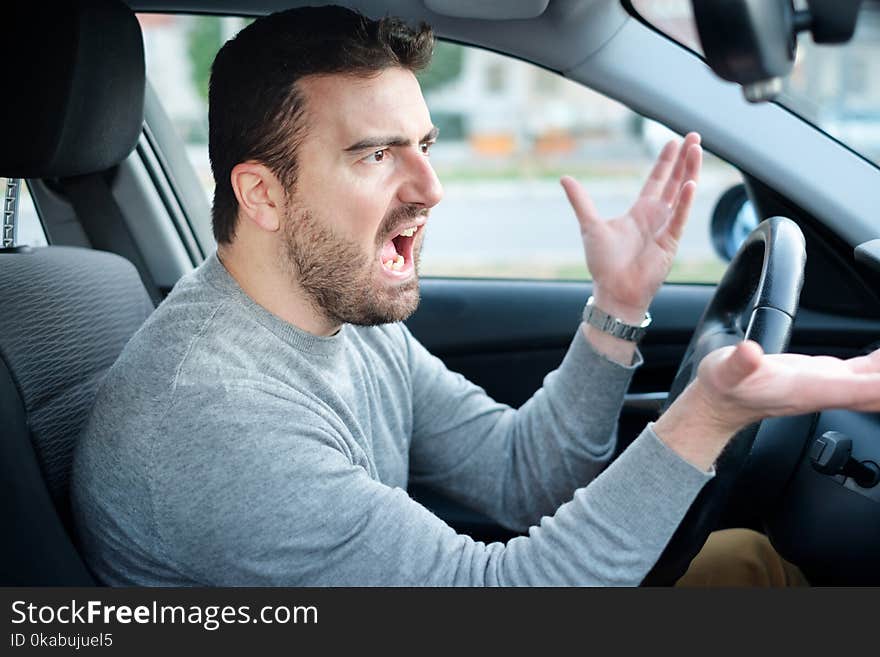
pixel 259 193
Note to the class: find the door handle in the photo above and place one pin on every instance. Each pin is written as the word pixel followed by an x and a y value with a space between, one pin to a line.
pixel 644 401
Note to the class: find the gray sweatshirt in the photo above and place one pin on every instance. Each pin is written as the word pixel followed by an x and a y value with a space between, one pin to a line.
pixel 227 447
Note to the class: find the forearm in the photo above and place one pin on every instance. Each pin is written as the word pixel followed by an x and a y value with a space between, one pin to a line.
pixel 609 533
pixel 690 427
pixel 265 525
pixel 620 522
pixel 614 349
pixel 516 466
pixel 567 433
pixel 693 429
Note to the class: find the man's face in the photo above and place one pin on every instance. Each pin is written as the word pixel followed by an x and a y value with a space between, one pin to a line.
pixel 356 220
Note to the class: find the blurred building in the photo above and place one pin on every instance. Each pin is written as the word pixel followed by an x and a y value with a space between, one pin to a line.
pixel 509 106
pixel 838 88
pixel 168 66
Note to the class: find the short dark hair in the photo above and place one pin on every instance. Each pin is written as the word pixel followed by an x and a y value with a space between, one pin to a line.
pixel 255 106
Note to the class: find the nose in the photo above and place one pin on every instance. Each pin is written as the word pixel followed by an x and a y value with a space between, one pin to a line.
pixel 421 185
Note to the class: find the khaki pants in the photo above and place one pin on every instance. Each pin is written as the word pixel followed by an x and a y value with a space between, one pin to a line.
pixel 740 558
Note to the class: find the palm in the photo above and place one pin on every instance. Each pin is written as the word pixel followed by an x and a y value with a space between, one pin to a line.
pixel 763 385
pixel 630 256
pixel 625 250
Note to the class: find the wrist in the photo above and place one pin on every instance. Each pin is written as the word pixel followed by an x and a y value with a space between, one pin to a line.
pixel 612 348
pixel 629 312
pixel 611 332
pixel 693 427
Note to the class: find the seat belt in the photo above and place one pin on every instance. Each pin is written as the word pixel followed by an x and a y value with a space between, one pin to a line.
pixel 102 220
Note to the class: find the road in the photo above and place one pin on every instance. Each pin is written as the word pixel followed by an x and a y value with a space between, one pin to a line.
pixel 532 221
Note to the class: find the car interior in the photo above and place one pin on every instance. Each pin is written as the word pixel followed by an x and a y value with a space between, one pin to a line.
pixel 125 218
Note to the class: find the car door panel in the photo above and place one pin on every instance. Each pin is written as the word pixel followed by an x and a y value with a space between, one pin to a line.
pixel 507 335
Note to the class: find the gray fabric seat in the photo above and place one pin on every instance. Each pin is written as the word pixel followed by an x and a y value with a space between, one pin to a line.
pixel 65 313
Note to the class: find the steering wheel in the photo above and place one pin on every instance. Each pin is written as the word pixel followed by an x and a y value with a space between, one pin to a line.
pixel 762 286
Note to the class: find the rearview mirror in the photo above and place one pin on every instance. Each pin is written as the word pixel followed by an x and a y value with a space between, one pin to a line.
pixel 753 42
pixel 733 218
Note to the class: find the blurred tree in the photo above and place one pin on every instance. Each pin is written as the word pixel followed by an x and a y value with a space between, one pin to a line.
pixel 204 40
pixel 206 36
pixel 445 66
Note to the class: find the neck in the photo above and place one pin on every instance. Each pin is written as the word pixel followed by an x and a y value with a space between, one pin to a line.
pixel 276 291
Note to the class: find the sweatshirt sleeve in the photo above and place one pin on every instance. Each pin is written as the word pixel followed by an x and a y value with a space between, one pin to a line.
pixel 280 502
pixel 515 465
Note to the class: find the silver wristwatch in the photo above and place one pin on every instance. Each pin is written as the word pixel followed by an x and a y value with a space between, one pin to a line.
pixel 595 316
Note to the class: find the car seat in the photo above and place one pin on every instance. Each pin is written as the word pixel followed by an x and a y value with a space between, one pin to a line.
pixel 74 109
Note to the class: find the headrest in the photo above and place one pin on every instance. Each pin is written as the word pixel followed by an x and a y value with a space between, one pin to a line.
pixel 75 87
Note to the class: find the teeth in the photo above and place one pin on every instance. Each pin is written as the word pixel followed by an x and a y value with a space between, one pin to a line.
pixel 409 232
pixel 396 264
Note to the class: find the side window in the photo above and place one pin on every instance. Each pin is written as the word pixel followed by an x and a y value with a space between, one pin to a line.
pixel 28 228
pixel 508 131
pixel 179 50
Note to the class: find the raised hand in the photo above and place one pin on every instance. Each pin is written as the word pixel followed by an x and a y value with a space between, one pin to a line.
pixel 747 385
pixel 630 256
pixel 736 386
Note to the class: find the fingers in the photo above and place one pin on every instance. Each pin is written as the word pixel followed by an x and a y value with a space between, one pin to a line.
pixel 742 361
pixel 670 169
pixel 687 167
pixel 670 233
pixel 583 205
pixel 856 392
pixel 662 168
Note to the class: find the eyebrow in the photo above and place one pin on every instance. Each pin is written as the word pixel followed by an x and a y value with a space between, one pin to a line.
pixel 376 142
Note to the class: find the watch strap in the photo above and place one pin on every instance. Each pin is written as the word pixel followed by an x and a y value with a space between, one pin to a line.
pixel 595 316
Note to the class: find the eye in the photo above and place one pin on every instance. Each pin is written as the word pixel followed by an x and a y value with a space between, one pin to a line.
pixel 425 147
pixel 377 156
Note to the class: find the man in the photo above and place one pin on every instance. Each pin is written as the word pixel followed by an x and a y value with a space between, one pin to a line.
pixel 262 427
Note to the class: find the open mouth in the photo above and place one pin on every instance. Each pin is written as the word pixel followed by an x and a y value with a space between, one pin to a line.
pixel 397 253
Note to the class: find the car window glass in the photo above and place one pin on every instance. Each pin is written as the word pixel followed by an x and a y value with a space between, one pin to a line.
pixel 835 87
pixel 28 228
pixel 508 131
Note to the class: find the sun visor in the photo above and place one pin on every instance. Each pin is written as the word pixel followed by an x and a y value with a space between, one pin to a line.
pixel 488 9
pixel 75 87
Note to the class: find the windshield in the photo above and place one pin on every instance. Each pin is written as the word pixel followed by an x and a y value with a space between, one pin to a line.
pixel 837 88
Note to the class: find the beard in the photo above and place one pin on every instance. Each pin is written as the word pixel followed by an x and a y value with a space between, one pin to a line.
pixel 342 282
